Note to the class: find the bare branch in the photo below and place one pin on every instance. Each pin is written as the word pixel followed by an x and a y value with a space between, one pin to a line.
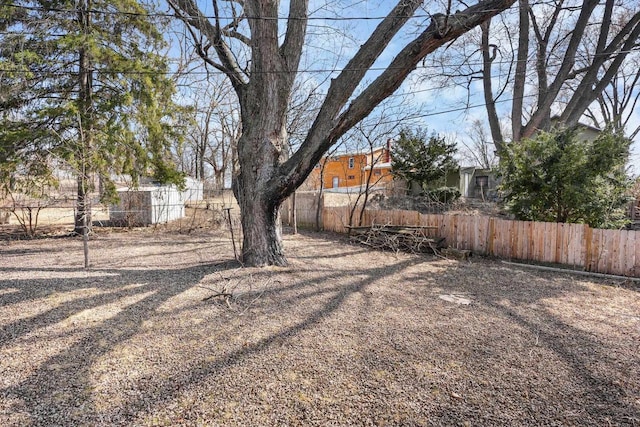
pixel 190 14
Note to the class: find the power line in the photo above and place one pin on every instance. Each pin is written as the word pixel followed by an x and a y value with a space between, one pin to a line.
pixel 234 18
pixel 317 70
pixel 459 109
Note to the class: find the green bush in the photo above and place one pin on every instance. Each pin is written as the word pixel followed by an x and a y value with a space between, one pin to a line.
pixel 558 177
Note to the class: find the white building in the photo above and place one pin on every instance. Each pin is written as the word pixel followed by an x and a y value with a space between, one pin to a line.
pixel 154 203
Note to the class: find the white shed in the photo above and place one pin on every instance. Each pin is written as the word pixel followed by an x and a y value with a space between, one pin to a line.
pixel 148 205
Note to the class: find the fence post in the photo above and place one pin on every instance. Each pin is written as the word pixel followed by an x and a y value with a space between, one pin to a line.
pixel 320 210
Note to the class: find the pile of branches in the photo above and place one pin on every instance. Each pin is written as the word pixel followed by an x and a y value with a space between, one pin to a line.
pixel 396 239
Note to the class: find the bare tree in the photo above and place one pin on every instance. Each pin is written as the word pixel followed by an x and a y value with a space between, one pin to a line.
pixel 243 40
pixel 617 103
pixel 573 80
pixel 550 59
pixel 28 192
pixel 213 129
pixel 304 104
pixel 479 150
pixel 373 135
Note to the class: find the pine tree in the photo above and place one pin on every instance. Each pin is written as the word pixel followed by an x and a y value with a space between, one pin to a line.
pixel 422 159
pixel 84 82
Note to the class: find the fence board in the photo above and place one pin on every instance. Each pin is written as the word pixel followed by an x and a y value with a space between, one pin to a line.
pixel 531 240
pixel 562 241
pixel 519 240
pixel 630 255
pixel 576 245
pixel 636 252
pixel 604 263
pixel 599 250
pixel 463 232
pixel 502 233
pixel 621 259
pixel 482 233
pixel 611 250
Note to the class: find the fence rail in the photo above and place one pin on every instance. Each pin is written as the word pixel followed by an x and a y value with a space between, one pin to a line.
pixel 575 245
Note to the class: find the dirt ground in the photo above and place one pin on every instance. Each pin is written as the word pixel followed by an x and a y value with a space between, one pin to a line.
pixel 344 336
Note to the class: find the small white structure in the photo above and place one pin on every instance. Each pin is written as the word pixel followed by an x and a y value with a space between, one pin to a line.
pixel 478 183
pixel 194 190
pixel 154 203
pixel 148 205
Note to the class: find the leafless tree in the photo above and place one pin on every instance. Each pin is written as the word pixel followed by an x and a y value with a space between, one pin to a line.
pixel 245 41
pixel 617 103
pixel 368 136
pixel 571 81
pixel 553 59
pixel 478 150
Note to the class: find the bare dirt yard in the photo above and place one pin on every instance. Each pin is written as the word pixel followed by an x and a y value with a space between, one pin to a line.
pixel 344 336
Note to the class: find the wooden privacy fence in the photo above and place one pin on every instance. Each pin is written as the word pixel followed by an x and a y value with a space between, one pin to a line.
pixel 576 245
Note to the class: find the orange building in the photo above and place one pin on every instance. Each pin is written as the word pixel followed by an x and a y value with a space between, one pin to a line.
pixel 353 169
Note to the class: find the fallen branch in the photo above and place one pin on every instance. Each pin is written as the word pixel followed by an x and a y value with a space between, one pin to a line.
pixel 219 294
pixel 226 296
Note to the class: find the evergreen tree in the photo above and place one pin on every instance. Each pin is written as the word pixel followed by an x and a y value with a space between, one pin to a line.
pixel 560 178
pixel 84 82
pixel 422 159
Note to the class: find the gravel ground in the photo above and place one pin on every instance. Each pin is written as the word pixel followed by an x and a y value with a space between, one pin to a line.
pixel 344 336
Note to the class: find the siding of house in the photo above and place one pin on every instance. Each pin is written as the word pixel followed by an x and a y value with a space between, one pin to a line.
pixel 352 170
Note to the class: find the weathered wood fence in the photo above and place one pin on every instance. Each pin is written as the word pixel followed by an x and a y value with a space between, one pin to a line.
pixel 576 245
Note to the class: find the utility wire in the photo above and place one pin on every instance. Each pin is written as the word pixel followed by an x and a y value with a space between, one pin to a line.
pixel 234 18
pixel 317 70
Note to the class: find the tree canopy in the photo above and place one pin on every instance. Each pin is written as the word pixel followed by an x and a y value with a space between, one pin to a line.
pixel 575 59
pixel 423 159
pixel 84 84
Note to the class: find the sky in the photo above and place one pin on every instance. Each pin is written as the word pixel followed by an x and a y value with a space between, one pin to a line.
pixel 337 29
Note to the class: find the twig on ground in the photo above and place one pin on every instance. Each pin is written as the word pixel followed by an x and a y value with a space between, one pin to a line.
pixel 226 296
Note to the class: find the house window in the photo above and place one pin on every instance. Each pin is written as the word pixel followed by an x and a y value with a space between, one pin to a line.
pixel 352 162
pixel 482 181
pixel 351 177
pixel 377 172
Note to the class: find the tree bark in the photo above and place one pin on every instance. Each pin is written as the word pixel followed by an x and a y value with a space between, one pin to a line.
pixel 85 135
pixel 492 113
pixel 261 228
pixel 521 70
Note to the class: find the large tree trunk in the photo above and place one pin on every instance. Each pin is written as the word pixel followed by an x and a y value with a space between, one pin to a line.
pixel 256 194
pixel 261 150
pixel 261 227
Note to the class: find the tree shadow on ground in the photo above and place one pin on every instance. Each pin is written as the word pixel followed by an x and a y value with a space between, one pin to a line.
pixel 54 396
pixel 50 395
pixel 60 391
pixel 589 370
